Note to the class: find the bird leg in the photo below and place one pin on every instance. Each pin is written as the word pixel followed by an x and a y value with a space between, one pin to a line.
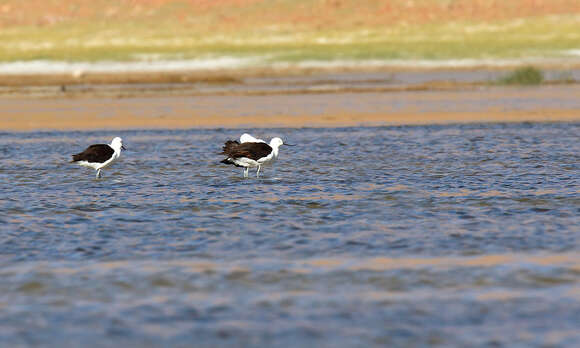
pixel 246 172
pixel 258 171
pixel 98 173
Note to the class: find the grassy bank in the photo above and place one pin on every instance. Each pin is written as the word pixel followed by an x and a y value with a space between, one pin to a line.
pixel 288 31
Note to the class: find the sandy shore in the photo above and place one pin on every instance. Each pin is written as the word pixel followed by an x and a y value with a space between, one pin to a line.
pixel 134 122
pixel 551 103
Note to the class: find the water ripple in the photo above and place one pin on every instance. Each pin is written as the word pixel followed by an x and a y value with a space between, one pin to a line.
pixel 359 236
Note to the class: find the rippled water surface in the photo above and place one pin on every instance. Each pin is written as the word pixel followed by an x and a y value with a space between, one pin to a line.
pixel 442 235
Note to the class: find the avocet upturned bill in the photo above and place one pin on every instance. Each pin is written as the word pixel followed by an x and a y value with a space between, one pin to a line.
pixel 99 156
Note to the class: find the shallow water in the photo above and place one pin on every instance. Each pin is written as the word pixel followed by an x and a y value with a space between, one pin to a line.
pixel 452 235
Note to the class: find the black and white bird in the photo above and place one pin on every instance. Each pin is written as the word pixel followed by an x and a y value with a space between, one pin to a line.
pixel 251 152
pixel 99 156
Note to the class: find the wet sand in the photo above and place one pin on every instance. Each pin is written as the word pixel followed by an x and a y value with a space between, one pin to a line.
pixel 364 107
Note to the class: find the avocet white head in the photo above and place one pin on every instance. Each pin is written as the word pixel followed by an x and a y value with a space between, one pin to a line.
pixel 117 144
pixel 252 153
pixel 275 144
pixel 99 156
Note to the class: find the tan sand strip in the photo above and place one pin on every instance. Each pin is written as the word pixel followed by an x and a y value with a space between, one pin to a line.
pixel 31 122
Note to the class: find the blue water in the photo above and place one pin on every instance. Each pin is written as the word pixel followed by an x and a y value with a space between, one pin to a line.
pixel 463 235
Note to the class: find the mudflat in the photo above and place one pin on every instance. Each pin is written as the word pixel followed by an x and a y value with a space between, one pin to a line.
pixel 546 103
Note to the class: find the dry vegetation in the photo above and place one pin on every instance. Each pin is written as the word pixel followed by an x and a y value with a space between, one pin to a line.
pixel 233 15
pixel 286 30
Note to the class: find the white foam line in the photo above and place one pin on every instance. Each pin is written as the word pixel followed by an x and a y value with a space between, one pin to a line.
pixel 451 63
pixel 575 52
pixel 225 63
pixel 79 68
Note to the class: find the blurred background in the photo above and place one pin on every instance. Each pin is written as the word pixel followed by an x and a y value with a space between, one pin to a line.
pixel 132 48
pixel 288 33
